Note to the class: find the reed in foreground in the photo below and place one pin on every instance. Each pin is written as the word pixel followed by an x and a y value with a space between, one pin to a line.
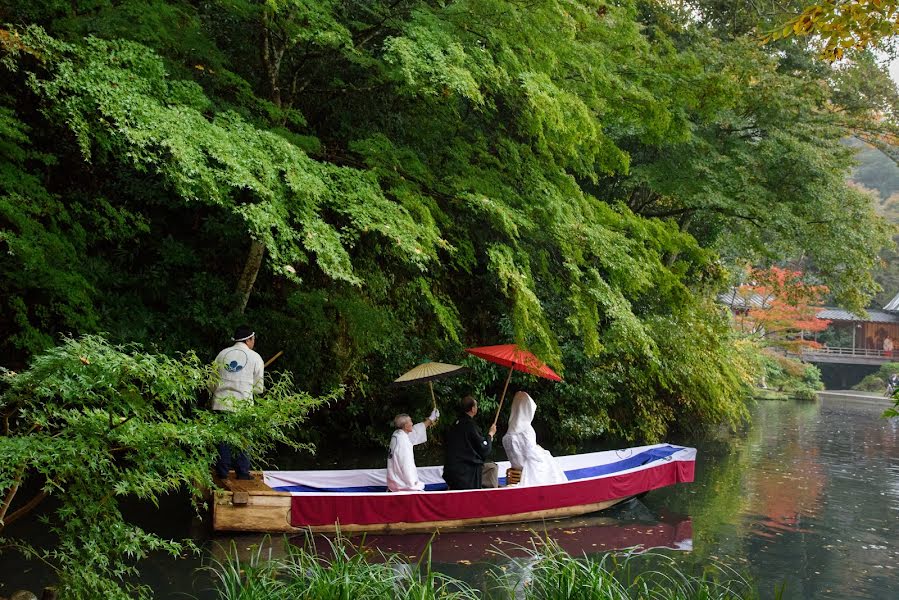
pixel 545 572
pixel 304 573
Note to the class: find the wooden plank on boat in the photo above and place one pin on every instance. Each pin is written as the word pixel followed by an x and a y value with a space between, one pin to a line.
pixel 268 512
pixel 254 485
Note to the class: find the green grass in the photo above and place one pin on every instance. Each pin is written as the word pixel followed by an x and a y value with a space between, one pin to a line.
pixel 768 394
pixel 545 572
pixel 549 573
pixel 303 573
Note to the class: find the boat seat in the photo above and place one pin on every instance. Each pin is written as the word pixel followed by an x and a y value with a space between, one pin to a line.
pixel 513 476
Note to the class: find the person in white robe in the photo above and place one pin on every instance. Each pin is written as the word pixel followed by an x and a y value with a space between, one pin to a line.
pixel 538 467
pixel 401 472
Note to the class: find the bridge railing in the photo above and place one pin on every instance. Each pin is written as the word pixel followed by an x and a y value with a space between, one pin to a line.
pixel 859 352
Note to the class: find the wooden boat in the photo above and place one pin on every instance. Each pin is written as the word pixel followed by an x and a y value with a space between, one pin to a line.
pixel 356 501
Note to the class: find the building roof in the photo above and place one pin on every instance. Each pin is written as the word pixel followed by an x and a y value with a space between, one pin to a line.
pixel 892 304
pixel 734 299
pixel 874 316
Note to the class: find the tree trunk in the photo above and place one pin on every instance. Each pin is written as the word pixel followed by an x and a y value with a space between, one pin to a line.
pixel 248 277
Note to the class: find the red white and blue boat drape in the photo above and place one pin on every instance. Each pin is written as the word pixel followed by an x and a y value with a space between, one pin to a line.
pixel 359 496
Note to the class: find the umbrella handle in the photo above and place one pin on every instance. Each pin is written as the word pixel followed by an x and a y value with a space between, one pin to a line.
pixel 433 398
pixel 503 397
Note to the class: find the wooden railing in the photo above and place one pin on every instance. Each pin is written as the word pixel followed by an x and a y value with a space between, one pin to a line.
pixel 863 352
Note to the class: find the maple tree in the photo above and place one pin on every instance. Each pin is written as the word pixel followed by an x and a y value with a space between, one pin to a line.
pixel 844 25
pixel 781 308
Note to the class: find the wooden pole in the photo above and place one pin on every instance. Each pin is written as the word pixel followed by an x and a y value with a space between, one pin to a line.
pixel 274 358
pixel 433 398
pixel 503 397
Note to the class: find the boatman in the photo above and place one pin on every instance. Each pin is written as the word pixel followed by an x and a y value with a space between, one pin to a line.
pixel 466 449
pixel 401 472
pixel 241 373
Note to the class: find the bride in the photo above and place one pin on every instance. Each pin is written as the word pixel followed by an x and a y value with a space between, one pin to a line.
pixel 538 467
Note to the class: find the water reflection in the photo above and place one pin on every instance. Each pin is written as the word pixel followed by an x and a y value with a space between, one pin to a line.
pixel 809 498
pixel 631 527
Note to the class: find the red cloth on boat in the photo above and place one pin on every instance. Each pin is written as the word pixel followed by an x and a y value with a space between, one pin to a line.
pixel 311 509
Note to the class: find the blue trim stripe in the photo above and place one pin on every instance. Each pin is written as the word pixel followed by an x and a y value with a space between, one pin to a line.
pixel 626 462
pixel 430 487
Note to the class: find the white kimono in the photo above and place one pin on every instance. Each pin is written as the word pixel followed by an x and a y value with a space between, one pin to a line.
pixel 241 373
pixel 401 472
pixel 538 467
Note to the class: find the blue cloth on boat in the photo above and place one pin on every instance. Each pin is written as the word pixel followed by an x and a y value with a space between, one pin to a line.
pixel 629 460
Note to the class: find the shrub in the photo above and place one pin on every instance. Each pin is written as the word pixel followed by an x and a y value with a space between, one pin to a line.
pixel 90 424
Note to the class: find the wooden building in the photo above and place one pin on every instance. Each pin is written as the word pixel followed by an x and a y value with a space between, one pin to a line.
pixel 868 333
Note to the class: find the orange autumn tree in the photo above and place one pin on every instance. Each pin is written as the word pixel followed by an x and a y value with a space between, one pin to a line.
pixel 781 308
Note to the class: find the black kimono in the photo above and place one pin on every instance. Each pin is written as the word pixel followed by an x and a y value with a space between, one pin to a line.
pixel 466 451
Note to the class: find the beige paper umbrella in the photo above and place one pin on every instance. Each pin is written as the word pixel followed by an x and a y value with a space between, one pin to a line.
pixel 428 372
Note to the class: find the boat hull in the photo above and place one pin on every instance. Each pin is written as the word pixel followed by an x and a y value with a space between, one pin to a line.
pixel 271 513
pixel 596 482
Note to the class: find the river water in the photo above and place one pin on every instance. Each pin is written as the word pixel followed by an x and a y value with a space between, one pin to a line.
pixel 807 498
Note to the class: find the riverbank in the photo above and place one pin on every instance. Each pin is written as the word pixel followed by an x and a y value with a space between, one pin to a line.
pixel 856 397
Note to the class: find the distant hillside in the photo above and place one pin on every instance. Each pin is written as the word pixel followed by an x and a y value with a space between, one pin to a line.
pixel 879 174
pixel 876 171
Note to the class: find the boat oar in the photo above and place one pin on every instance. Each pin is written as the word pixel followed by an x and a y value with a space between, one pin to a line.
pixel 274 358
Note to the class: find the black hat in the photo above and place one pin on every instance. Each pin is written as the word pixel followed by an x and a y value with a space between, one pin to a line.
pixel 243 333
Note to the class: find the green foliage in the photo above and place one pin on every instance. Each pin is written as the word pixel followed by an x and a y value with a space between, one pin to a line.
pixel 843 25
pixel 90 424
pixel 549 573
pixel 303 574
pixel 773 375
pixel 877 381
pixel 578 177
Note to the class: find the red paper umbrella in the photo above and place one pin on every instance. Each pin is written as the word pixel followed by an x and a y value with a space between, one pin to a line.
pixel 517 359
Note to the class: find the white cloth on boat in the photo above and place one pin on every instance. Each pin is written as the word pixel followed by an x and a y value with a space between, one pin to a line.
pixel 241 372
pixel 401 472
pixel 578 465
pixel 538 467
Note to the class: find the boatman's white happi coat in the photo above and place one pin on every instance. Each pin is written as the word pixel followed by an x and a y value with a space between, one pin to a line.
pixel 241 373
pixel 401 472
pixel 538 467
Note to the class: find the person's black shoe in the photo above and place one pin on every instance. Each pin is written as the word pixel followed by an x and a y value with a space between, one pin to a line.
pixel 244 476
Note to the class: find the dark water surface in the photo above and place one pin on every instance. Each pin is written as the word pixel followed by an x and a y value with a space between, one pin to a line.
pixel 809 498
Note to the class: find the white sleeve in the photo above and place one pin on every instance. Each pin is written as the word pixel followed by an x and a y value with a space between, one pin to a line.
pixel 419 434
